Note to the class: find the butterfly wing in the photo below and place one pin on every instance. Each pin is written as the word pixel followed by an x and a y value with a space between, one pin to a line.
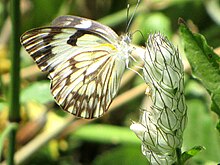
pixel 88 25
pixel 84 68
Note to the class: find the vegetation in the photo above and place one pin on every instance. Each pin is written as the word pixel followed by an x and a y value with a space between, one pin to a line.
pixel 48 135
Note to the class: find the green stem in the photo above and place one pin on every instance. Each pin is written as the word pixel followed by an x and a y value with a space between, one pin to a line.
pixel 14 114
pixel 4 135
pixel 4 12
pixel 178 153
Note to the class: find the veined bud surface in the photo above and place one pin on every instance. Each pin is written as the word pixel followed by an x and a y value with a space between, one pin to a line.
pixel 160 127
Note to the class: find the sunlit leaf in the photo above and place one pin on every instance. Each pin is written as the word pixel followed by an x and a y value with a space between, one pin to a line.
pixel 190 153
pixel 204 62
pixel 106 134
pixel 38 91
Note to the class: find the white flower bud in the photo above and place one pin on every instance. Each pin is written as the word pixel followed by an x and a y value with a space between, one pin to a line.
pixel 161 126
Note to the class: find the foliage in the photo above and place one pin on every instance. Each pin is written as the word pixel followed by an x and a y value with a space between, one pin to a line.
pixel 204 62
pixel 80 142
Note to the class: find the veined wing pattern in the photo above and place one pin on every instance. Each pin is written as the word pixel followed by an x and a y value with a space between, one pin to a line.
pixel 85 61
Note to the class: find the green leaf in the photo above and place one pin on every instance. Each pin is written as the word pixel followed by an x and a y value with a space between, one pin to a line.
pixel 38 91
pixel 128 155
pixel 190 153
pixel 204 62
pixel 218 126
pixel 106 134
pixel 200 131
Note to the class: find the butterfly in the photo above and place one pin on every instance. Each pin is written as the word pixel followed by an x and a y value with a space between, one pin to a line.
pixel 85 61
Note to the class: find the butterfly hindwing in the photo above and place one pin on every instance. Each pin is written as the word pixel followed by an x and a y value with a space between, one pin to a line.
pixel 84 67
pixel 92 90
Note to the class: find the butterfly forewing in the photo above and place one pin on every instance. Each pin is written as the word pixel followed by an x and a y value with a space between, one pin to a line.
pixel 84 67
pixel 86 24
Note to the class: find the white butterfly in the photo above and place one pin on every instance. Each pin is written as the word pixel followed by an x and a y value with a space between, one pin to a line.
pixel 85 61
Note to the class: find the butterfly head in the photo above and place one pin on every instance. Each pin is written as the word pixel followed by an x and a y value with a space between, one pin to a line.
pixel 127 38
pixel 124 42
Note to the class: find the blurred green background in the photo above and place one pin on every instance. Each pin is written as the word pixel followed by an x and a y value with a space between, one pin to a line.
pixel 108 140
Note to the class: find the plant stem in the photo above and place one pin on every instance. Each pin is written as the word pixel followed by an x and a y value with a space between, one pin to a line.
pixel 14 114
pixel 178 153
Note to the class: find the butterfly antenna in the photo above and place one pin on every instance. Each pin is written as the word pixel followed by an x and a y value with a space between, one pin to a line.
pixel 130 20
pixel 128 9
pixel 139 32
